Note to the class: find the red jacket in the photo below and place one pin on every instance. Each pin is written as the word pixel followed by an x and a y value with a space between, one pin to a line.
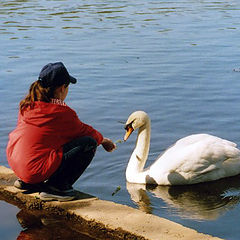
pixel 35 147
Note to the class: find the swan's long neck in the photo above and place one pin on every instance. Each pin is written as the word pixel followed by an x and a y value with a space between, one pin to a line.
pixel 134 171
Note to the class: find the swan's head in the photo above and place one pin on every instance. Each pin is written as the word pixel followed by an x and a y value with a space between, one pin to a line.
pixel 135 120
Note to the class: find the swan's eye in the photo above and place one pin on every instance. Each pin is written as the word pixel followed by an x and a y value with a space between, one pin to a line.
pixel 129 129
pixel 128 126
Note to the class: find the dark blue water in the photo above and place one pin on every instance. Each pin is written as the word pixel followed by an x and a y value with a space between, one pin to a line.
pixel 9 226
pixel 176 60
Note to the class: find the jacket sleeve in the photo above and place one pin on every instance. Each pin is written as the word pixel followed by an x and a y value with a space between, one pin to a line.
pixel 76 128
pixel 87 130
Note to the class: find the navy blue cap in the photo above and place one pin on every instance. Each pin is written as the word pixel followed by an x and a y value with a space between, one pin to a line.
pixel 54 75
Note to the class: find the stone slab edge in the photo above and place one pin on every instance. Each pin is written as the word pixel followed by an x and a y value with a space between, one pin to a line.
pixel 102 219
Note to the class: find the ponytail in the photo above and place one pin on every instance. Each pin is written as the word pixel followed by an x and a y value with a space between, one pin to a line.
pixel 36 93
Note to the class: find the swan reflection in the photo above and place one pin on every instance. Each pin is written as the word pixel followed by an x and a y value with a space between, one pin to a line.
pixel 204 201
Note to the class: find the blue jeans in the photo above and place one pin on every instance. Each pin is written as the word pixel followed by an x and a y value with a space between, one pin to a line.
pixel 77 155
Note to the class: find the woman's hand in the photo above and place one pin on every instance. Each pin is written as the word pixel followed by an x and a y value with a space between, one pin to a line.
pixel 108 145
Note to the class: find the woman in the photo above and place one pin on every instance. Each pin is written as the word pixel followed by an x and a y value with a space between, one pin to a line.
pixel 50 146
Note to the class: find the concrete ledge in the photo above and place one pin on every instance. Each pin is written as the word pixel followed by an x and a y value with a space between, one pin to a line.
pixel 101 219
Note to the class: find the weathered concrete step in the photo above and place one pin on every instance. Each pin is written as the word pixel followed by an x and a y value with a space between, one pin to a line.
pixel 102 219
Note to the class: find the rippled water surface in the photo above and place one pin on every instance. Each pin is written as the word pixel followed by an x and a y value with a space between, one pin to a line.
pixel 9 227
pixel 36 224
pixel 176 60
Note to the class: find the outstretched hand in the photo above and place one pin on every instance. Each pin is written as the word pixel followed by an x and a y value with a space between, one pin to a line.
pixel 108 145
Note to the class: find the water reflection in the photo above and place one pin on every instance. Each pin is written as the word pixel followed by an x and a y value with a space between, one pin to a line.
pixel 39 226
pixel 206 201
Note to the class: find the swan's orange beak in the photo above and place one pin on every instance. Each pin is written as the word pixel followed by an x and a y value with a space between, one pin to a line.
pixel 129 131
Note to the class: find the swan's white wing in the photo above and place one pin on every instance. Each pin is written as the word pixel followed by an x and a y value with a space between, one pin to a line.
pixel 196 158
pixel 195 138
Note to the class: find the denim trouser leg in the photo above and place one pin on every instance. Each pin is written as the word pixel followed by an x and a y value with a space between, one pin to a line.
pixel 77 155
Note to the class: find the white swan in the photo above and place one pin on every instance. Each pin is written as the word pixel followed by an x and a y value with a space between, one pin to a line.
pixel 192 159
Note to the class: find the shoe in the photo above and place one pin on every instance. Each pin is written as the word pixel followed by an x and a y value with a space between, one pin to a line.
pixel 27 186
pixel 21 184
pixel 57 196
pixel 68 189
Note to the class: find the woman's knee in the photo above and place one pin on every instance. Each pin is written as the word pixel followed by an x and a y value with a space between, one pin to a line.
pixel 90 144
pixel 83 143
pixel 91 141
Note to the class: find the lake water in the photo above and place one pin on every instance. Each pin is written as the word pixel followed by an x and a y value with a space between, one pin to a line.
pixel 176 60
pixel 35 225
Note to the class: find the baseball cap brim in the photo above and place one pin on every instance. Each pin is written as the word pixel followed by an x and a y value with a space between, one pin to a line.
pixel 72 79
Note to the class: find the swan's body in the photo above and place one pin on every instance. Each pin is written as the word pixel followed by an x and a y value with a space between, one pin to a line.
pixel 192 159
